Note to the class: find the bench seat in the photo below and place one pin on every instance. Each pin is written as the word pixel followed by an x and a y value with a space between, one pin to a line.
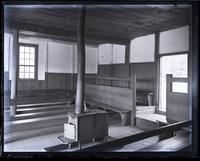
pixel 125 114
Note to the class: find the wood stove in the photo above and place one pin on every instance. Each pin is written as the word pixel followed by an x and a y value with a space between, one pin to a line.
pixel 87 126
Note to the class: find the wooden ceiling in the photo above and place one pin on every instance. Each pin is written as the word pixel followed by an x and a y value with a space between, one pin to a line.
pixel 104 23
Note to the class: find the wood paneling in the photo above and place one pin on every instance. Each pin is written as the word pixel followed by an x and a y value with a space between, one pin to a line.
pixel 31 84
pixel 59 81
pixel 120 70
pixel 145 73
pixel 104 70
pixel 146 79
pixel 105 23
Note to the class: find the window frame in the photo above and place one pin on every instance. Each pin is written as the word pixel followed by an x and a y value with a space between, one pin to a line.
pixel 36 60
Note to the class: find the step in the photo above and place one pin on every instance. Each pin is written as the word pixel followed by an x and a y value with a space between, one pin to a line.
pixel 41 104
pixel 43 108
pixel 41 100
pixel 35 123
pixel 40 114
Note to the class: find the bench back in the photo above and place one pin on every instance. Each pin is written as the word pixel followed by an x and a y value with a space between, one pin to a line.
pixel 123 98
pixel 177 103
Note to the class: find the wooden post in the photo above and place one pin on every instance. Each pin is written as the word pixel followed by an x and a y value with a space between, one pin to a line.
pixel 14 73
pixel 168 89
pixel 157 63
pixel 127 57
pixel 134 100
pixel 81 63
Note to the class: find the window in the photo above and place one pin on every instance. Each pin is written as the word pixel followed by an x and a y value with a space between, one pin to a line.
pixel 177 65
pixel 27 61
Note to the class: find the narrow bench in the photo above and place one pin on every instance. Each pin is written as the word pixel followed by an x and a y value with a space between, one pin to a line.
pixel 124 114
pixel 175 143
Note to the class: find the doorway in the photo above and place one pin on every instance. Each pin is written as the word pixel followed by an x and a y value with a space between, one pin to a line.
pixel 177 65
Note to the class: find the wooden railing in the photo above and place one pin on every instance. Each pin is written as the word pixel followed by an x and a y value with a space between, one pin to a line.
pixel 137 137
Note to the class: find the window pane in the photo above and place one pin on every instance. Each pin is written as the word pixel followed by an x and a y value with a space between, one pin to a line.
pixel 32 62
pixel 26 61
pixel 21 49
pixel 31 75
pixel 21 69
pixel 26 75
pixel 32 50
pixel 21 55
pixel 32 56
pixel 21 61
pixel 21 75
pixel 26 49
pixel 32 69
pixel 26 69
pixel 26 56
pixel 180 87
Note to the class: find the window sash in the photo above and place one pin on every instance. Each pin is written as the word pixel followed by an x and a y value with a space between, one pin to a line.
pixel 27 61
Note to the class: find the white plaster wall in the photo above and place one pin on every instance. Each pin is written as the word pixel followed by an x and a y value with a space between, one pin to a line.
pixel 75 59
pixel 42 52
pixel 60 58
pixel 91 60
pixel 175 40
pixel 142 49
pixel 118 54
pixel 10 55
pixel 7 38
pixel 105 53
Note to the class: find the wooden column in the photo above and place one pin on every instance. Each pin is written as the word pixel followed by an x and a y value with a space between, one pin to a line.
pixel 157 63
pixel 81 63
pixel 127 57
pixel 133 81
pixel 14 74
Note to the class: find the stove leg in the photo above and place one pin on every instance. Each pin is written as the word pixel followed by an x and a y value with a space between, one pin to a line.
pixel 105 139
pixel 79 144
pixel 69 146
pixel 93 140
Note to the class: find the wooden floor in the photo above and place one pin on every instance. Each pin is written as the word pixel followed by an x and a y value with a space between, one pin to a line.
pixel 116 130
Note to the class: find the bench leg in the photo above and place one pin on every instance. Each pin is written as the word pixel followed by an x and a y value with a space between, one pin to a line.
pixel 126 119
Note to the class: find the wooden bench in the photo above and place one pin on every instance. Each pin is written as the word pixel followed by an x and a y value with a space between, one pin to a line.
pixel 44 96
pixel 125 114
pixel 117 99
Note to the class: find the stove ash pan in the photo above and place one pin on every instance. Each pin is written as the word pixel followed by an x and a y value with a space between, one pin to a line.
pixel 90 125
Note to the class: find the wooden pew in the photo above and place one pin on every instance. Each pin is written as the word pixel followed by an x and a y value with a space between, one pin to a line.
pixel 44 96
pixel 117 99
pixel 125 114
